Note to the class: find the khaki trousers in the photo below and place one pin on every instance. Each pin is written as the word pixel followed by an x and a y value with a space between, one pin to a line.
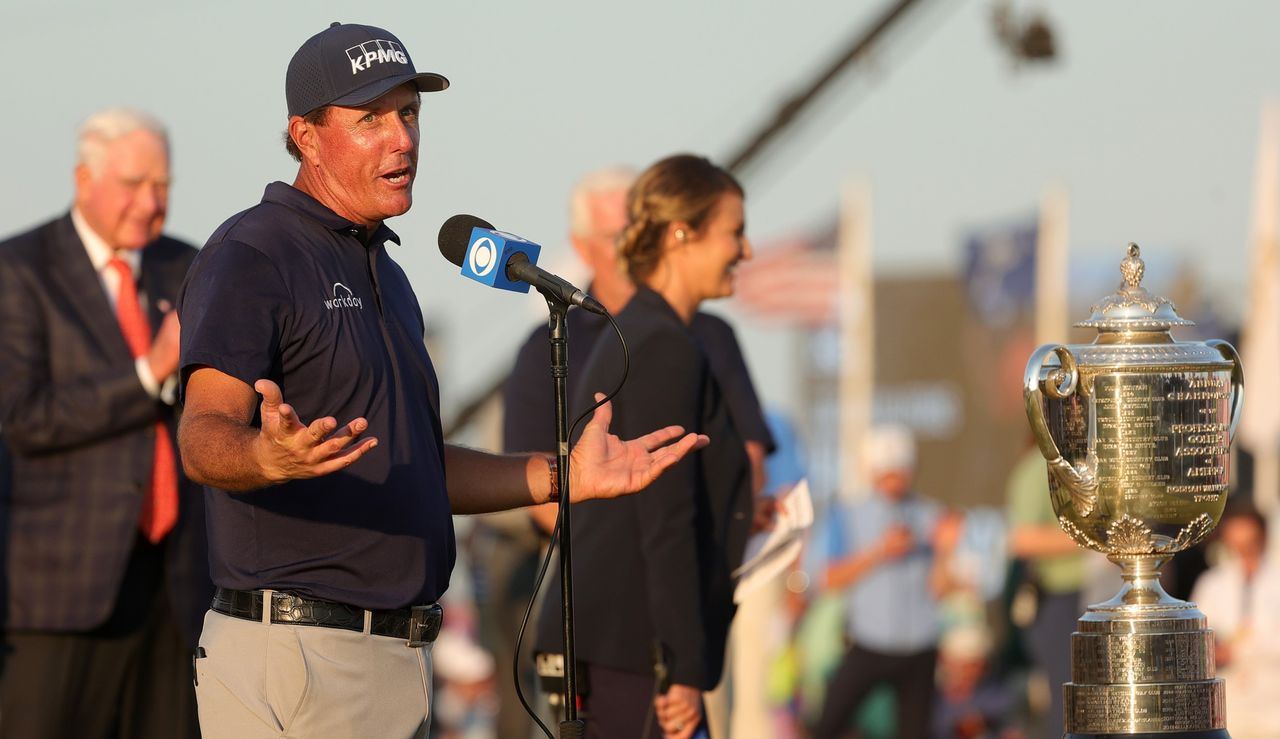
pixel 258 679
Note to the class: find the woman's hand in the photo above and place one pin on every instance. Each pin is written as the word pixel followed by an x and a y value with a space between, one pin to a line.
pixel 679 711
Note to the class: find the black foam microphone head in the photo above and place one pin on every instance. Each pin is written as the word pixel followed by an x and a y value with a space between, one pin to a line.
pixel 455 234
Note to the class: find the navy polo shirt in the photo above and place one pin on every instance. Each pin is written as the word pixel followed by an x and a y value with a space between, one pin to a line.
pixel 291 292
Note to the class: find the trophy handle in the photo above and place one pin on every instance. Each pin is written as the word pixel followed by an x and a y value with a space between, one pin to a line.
pixel 1080 481
pixel 1237 382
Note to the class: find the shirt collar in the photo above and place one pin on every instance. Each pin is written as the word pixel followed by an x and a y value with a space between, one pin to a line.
pixel 294 199
pixel 97 248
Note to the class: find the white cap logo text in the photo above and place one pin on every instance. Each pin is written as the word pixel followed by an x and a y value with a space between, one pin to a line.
pixel 373 52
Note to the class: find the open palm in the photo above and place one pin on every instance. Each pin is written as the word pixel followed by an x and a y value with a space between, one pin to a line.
pixel 604 466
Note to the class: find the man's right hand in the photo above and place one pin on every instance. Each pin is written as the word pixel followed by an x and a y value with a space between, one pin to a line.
pixel 288 449
pixel 222 448
pixel 163 355
pixel 896 543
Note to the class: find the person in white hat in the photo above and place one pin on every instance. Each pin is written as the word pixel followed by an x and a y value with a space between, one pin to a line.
pixel 892 561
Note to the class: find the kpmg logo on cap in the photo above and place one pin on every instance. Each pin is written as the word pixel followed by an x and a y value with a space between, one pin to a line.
pixel 377 51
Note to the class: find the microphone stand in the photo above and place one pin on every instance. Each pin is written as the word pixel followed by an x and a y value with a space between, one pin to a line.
pixel 572 727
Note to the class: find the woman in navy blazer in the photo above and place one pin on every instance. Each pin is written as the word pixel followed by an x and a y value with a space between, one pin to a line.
pixel 653 572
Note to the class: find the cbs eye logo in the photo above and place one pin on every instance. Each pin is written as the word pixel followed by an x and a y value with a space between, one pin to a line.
pixel 484 255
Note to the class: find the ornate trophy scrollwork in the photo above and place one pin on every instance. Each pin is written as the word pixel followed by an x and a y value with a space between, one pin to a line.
pixel 1081 479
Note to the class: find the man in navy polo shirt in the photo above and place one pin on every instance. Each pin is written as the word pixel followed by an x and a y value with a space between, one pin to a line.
pixel 330 541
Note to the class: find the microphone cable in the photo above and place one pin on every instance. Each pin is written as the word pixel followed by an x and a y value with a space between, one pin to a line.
pixel 555 535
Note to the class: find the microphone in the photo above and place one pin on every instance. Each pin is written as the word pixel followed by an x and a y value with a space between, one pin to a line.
pixel 504 261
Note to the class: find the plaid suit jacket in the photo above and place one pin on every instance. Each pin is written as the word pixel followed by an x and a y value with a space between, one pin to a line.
pixel 78 431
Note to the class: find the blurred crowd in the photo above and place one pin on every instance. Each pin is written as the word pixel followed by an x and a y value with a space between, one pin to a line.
pixel 906 618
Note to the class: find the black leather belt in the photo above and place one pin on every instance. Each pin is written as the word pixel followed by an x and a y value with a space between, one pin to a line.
pixel 418 625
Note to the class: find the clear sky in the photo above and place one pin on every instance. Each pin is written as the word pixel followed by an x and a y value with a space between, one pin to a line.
pixel 1149 120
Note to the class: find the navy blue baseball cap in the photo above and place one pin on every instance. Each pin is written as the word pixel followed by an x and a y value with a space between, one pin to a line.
pixel 348 64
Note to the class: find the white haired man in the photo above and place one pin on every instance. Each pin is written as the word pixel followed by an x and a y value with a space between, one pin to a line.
pixel 105 564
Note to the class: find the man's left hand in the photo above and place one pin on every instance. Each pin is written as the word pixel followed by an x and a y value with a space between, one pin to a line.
pixel 604 466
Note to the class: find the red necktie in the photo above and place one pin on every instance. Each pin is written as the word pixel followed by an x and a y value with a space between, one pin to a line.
pixel 160 506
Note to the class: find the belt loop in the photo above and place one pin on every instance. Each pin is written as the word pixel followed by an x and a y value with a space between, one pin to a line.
pixel 268 603
pixel 368 621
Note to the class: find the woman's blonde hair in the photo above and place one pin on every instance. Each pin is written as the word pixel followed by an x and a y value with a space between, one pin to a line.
pixel 684 188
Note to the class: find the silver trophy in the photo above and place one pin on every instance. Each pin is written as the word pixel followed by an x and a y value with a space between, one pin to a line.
pixel 1136 429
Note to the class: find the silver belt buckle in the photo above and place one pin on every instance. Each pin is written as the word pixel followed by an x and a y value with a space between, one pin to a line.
pixel 420 623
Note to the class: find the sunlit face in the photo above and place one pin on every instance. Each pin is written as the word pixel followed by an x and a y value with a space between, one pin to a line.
pixel 710 255
pixel 125 194
pixel 365 158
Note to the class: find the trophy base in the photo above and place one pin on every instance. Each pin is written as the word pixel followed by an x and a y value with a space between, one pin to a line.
pixel 1142 666
pixel 1208 734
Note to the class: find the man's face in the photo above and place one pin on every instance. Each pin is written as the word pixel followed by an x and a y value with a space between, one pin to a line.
pixel 599 249
pixel 365 158
pixel 892 484
pixel 1243 538
pixel 125 196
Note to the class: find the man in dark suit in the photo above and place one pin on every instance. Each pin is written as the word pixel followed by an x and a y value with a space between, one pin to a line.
pixel 105 566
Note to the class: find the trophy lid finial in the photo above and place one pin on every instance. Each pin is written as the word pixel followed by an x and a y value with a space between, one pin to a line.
pixel 1132 267
pixel 1131 307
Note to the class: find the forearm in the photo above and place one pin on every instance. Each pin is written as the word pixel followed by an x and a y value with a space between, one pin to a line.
pixel 755 456
pixel 482 482
pixel 851 569
pixel 942 579
pixel 220 452
pixel 544 517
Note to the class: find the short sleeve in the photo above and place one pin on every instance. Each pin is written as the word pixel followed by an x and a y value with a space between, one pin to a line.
pixel 233 308
pixel 785 467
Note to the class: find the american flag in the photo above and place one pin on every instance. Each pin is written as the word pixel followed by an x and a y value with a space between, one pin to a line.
pixel 792 281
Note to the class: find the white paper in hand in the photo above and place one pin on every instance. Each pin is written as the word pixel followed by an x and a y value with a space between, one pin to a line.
pixel 770 554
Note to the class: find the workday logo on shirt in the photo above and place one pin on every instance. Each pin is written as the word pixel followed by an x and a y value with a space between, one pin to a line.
pixel 343 298
pixel 377 51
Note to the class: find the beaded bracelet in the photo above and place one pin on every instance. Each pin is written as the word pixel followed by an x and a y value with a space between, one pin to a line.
pixel 553 467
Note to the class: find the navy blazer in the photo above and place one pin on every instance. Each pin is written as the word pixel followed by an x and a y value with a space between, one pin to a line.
pixel 79 433
pixel 656 566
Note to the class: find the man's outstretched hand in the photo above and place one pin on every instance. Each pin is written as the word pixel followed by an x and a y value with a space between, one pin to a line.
pixel 288 449
pixel 604 466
